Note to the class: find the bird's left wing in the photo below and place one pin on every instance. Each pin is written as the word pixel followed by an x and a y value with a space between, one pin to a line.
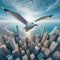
pixel 44 17
pixel 16 15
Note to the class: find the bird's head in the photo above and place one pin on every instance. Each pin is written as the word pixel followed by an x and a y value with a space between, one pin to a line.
pixel 33 24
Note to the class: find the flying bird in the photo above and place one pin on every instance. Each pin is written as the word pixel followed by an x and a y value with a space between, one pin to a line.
pixel 28 25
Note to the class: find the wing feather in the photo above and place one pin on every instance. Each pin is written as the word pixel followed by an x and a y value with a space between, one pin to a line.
pixel 16 15
pixel 44 17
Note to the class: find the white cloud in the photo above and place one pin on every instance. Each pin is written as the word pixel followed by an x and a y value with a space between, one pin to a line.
pixel 51 20
pixel 27 7
pixel 53 5
pixel 28 13
pixel 3 19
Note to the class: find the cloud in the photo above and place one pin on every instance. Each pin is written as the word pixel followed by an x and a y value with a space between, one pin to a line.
pixel 3 18
pixel 28 13
pixel 52 6
pixel 31 10
pixel 27 7
pixel 10 19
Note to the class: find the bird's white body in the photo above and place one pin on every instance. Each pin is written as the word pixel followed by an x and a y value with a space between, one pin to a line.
pixel 29 26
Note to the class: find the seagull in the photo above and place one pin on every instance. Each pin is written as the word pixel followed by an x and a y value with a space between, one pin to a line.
pixel 28 25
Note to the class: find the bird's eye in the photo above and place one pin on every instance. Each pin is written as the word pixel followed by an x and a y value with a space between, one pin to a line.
pixel 32 23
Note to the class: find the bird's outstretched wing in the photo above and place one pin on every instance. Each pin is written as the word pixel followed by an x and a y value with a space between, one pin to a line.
pixel 44 17
pixel 16 15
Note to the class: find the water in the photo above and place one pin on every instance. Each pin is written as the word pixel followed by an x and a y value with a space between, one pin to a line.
pixel 47 25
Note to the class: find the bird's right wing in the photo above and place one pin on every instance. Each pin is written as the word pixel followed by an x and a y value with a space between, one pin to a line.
pixel 16 15
pixel 43 18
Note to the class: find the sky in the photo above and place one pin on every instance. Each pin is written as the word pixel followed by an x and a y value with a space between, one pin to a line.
pixel 30 9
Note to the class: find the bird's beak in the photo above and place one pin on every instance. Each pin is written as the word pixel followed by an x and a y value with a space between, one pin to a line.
pixel 36 24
